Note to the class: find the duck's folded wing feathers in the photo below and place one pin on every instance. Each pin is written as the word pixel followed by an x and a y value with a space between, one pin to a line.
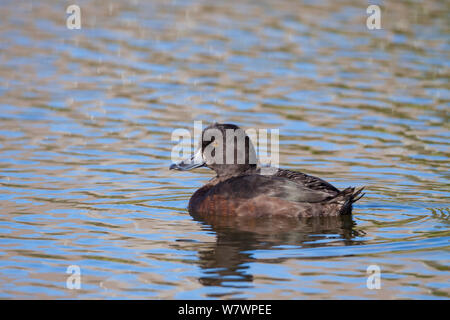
pixel 308 181
pixel 252 186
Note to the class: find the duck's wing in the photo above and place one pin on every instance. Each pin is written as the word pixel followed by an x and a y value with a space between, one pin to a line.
pixel 252 186
pixel 308 181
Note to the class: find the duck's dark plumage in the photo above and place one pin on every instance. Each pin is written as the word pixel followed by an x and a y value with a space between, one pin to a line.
pixel 241 190
pixel 307 181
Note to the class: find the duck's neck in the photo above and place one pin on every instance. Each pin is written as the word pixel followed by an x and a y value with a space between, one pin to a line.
pixel 231 174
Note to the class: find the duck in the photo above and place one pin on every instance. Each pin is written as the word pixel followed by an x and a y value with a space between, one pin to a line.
pixel 243 189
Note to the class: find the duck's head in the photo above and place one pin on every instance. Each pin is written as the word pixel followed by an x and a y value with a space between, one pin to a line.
pixel 224 148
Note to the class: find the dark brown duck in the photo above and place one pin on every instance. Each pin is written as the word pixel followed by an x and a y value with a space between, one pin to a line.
pixel 240 188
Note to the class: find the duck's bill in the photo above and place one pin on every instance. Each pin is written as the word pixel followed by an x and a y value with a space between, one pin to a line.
pixel 193 162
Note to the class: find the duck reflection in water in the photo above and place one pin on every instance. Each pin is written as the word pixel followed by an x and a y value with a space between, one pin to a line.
pixel 237 238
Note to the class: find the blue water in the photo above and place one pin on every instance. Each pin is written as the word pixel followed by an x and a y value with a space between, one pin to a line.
pixel 85 145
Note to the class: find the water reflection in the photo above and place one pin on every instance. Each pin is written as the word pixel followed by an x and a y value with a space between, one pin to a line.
pixel 237 237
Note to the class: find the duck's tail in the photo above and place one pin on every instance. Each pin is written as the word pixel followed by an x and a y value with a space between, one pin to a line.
pixel 347 197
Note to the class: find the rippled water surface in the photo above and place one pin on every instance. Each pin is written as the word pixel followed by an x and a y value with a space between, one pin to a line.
pixel 85 145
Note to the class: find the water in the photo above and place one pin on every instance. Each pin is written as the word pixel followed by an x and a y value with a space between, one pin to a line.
pixel 85 142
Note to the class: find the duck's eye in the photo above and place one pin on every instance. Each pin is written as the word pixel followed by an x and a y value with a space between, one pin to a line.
pixel 213 143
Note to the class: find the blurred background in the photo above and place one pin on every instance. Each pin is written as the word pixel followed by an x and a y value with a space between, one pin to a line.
pixel 85 144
